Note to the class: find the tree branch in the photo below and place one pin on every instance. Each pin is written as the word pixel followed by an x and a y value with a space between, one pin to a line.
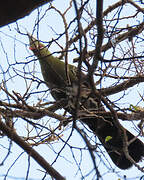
pixel 122 86
pixel 12 10
pixel 30 151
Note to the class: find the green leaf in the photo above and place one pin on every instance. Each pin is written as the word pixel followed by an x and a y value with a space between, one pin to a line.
pixel 136 108
pixel 108 138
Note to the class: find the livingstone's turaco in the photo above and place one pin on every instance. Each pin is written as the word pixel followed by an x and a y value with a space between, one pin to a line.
pixel 64 86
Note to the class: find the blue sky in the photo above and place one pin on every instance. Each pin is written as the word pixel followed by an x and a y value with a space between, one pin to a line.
pixel 17 50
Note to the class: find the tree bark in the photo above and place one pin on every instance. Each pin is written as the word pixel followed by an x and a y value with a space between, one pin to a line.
pixel 12 10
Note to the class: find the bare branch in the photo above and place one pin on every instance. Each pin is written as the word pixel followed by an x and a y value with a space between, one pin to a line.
pixel 30 151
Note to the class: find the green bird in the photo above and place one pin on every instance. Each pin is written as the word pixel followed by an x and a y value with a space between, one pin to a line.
pixel 63 84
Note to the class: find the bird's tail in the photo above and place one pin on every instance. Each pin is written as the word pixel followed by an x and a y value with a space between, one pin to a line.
pixel 103 127
pixel 112 139
pixel 135 150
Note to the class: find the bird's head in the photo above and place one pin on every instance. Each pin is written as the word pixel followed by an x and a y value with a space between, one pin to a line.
pixel 36 46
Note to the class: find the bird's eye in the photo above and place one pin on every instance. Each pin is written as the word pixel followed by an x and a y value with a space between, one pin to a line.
pixel 36 47
pixel 31 48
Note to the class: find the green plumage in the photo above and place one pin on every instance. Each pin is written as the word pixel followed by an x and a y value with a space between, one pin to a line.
pixel 54 74
pixel 53 69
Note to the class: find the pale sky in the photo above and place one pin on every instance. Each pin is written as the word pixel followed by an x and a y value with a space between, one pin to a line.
pixel 16 47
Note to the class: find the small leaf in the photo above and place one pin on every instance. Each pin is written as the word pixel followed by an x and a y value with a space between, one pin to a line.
pixel 136 108
pixel 108 138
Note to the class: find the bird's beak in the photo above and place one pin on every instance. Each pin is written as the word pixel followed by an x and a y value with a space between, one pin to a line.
pixel 32 41
pixel 31 38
